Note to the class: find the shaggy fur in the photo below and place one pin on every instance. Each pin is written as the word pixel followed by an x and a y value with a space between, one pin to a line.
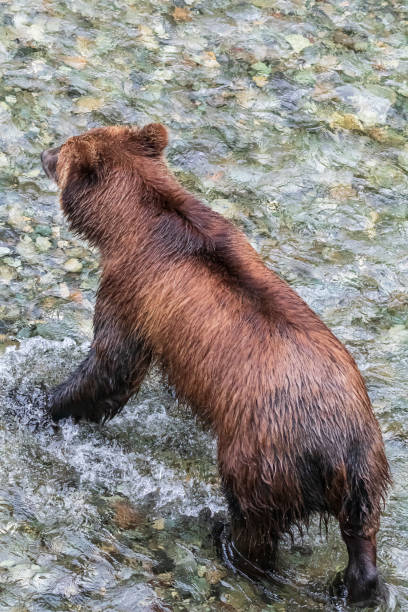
pixel 182 286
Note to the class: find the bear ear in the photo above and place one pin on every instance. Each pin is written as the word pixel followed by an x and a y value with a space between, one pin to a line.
pixel 86 157
pixel 78 161
pixel 153 137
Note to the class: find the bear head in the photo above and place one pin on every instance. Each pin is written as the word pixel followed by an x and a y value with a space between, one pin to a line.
pixel 90 168
pixel 83 155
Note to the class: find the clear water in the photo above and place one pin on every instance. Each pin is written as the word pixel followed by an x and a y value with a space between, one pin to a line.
pixel 288 117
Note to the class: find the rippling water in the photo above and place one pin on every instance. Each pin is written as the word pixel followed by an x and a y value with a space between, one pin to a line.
pixel 288 117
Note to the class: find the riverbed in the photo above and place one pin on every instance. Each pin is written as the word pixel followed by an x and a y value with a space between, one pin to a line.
pixel 289 118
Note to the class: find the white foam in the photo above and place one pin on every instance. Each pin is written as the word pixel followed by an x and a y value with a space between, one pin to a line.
pixel 140 454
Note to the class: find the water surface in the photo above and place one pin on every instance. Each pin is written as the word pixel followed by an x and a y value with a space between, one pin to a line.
pixel 288 117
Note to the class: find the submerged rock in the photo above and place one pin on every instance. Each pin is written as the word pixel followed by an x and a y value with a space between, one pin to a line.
pixel 73 265
pixel 126 516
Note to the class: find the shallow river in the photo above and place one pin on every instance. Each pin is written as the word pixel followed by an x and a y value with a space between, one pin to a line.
pixel 288 117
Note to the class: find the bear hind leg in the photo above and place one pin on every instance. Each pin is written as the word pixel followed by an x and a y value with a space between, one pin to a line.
pixel 248 545
pixel 361 576
pixel 359 524
pixel 359 520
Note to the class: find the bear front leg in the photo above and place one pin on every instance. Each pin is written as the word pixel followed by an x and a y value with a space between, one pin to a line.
pixel 103 383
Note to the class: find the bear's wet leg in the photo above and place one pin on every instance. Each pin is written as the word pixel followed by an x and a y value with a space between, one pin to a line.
pixel 361 576
pixel 253 543
pixel 102 384
pixel 247 545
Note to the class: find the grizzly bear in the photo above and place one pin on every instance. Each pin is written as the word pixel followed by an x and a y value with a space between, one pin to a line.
pixel 181 287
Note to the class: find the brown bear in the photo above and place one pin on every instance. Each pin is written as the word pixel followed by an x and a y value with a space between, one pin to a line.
pixel 183 288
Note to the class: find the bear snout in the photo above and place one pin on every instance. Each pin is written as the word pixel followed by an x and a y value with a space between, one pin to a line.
pixel 49 159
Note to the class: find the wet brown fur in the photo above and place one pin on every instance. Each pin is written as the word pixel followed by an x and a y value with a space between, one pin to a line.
pixel 181 286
